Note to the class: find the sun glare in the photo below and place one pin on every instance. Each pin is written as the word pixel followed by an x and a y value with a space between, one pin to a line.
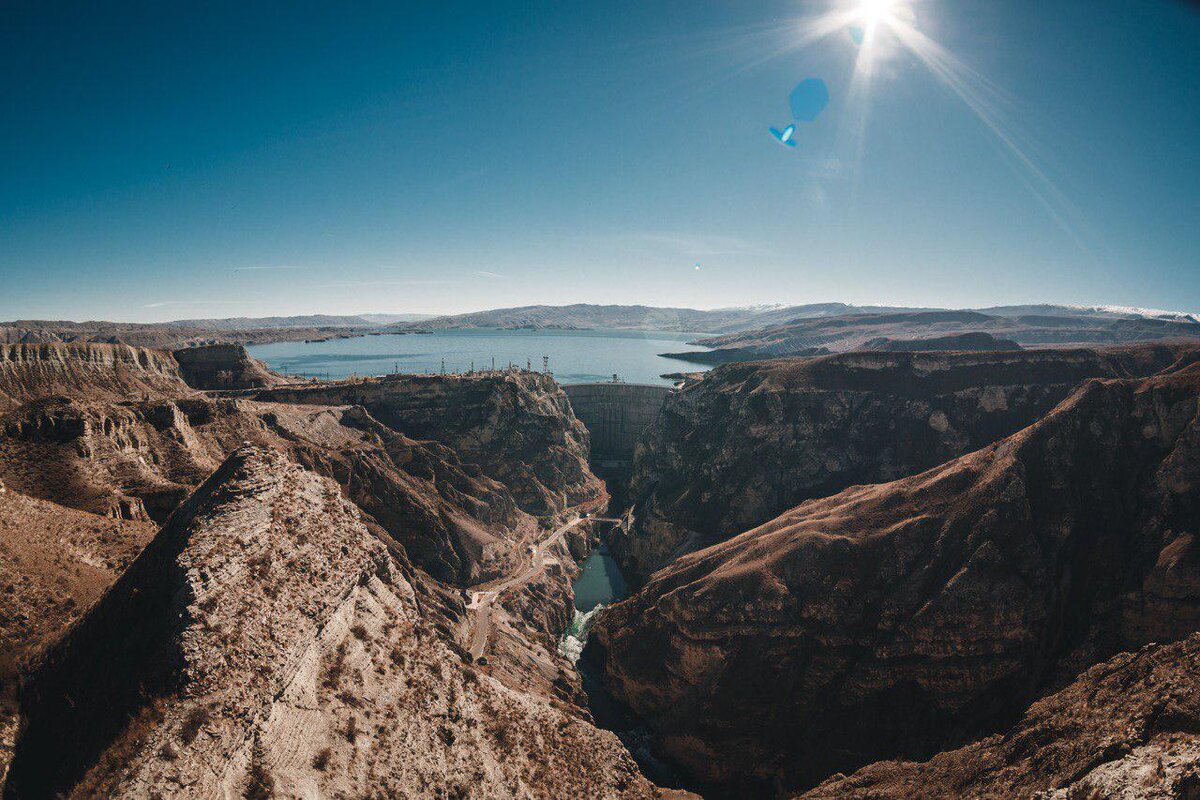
pixel 872 11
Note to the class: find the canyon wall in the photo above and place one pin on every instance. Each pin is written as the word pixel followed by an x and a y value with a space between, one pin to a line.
pixel 899 619
pixel 750 440
pixel 110 371
pixel 518 427
pixel 223 366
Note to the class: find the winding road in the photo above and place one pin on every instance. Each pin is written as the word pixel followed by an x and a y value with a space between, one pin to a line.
pixel 484 595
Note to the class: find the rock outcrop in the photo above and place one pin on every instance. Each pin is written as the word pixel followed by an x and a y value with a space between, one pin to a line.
pixel 752 440
pixel 266 643
pixel 518 428
pixel 896 620
pixel 223 366
pixel 1127 728
pixel 98 371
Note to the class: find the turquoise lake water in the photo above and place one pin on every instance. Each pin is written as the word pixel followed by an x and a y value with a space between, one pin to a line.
pixel 575 356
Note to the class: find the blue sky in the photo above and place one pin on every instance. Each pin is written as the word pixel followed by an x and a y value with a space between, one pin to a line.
pixel 160 161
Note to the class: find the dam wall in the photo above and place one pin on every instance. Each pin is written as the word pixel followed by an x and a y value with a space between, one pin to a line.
pixel 615 414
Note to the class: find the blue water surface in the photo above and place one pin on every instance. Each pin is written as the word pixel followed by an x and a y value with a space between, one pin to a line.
pixel 575 356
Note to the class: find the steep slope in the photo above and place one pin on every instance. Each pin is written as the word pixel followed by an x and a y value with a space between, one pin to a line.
pixel 898 619
pixel 751 440
pixel 103 371
pixel 140 459
pixel 55 563
pixel 1127 728
pixel 223 366
pixel 518 427
pixel 265 642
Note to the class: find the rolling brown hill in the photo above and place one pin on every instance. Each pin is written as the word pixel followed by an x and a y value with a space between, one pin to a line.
pixel 899 619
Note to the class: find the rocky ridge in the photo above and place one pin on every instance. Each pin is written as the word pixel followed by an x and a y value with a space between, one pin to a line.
pixel 1125 728
pixel 211 669
pixel 749 441
pixel 899 619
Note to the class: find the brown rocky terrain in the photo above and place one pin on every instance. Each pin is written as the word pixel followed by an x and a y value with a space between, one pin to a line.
pixel 223 366
pixel 55 562
pixel 1128 728
pixel 517 426
pixel 139 459
pixel 101 371
pixel 267 644
pixel 900 619
pixel 751 440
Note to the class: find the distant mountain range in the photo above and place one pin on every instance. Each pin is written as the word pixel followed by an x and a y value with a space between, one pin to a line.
pixel 754 331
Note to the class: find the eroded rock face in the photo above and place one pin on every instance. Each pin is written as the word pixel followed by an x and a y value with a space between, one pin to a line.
pixel 517 426
pixel 265 641
pixel 899 619
pixel 752 440
pixel 1125 728
pixel 223 366
pixel 138 460
pixel 94 371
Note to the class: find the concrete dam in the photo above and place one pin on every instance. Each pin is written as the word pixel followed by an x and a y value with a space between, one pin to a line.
pixel 616 415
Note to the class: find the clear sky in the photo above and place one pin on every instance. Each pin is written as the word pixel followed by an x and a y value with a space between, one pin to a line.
pixel 170 160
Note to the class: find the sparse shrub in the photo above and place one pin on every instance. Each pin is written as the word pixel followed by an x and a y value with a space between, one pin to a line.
pixel 349 699
pixel 447 735
pixel 259 783
pixel 359 632
pixel 351 732
pixel 321 760
pixel 334 669
pixel 195 721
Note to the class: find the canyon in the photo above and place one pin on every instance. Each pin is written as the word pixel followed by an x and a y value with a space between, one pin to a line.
pixel 882 573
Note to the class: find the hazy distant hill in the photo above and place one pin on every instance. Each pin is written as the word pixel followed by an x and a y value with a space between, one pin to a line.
pixel 260 323
pixel 585 316
pixel 1055 325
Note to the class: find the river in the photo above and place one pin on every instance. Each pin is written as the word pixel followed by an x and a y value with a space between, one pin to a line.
pixel 574 356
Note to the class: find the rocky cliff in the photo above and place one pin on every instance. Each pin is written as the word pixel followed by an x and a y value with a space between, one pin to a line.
pixel 518 428
pixel 751 440
pixel 899 619
pixel 138 460
pixel 1126 728
pixel 266 644
pixel 108 371
pixel 223 366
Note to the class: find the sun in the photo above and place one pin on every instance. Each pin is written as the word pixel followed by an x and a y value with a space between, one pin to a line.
pixel 872 11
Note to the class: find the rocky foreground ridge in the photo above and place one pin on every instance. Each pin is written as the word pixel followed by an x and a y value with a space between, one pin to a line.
pixel 1128 728
pixel 114 442
pixel 899 619
pixel 751 440
pixel 266 643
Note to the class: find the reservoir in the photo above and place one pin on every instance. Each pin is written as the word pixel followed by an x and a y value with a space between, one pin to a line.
pixel 574 356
